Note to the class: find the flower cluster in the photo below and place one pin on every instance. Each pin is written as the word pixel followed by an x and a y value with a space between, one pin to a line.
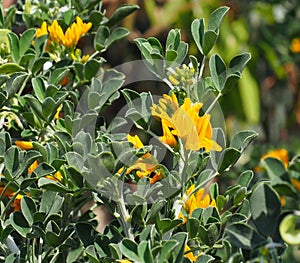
pixel 69 39
pixel 145 166
pixel 184 123
pixel 196 199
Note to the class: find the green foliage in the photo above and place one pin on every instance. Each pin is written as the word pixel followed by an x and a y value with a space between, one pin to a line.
pixel 58 151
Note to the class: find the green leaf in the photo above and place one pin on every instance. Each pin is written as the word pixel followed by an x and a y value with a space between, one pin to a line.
pixel 275 169
pixel 19 223
pixel 44 169
pixel 265 208
pixel 198 29
pixel 243 236
pixel 14 46
pixel 35 105
pixel 48 107
pixel 130 249
pixel 28 208
pixel 216 18
pixel 209 40
pixel 218 71
pixel 228 158
pixel 245 178
pixel 101 37
pixel 51 202
pixel 179 252
pixel 26 40
pixel 121 13
pixel 52 185
pixel 116 35
pixel 167 249
pixel 242 139
pixel 205 259
pixel 91 68
pixel 12 159
pixel 9 68
pixel 144 252
pixel 85 232
pixel 238 63
pixel 15 83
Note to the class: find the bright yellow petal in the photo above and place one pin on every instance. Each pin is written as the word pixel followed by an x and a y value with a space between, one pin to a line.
pixel 136 141
pixel 167 137
pixel 24 145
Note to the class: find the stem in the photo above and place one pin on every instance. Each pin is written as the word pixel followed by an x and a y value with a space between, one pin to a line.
pixel 40 251
pixel 213 103
pixel 202 67
pixel 168 83
pixel 125 218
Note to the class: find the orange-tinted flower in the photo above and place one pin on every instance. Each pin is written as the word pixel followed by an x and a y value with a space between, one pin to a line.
pixel 295 45
pixel 145 166
pixel 189 255
pixel 296 183
pixel 184 121
pixel 279 154
pixel 32 167
pixel 196 200
pixel 56 177
pixel 7 192
pixel 16 204
pixel 24 145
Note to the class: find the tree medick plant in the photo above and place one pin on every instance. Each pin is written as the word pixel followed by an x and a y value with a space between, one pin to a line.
pixel 58 153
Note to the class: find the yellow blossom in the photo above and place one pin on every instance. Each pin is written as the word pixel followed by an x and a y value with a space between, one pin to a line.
pixel 145 166
pixel 42 30
pixel 189 255
pixel 196 200
pixel 296 183
pixel 56 177
pixel 184 121
pixel 295 45
pixel 279 154
pixel 56 116
pixel 124 261
pixel 55 32
pixel 24 145
pixel 32 167
pixel 16 204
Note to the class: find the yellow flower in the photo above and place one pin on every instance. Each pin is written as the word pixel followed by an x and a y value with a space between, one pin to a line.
pixel 32 167
pixel 296 183
pixel 136 141
pixel 196 200
pixel 16 204
pixel 56 116
pixel 189 255
pixel 56 177
pixel 184 121
pixel 145 166
pixel 279 154
pixel 295 45
pixel 24 145
pixel 124 261
pixel 167 137
pixel 42 30
pixel 55 32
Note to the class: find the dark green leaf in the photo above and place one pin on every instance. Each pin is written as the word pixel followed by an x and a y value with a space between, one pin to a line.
pixel 265 208
pixel 216 18
pixel 130 249
pixel 121 13
pixel 218 71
